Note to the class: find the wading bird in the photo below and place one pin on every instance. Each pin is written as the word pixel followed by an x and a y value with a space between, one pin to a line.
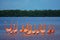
pixel 9 29
pixel 34 31
pixel 15 29
pixel 26 29
pixel 51 30
pixel 43 29
pixel 22 30
pixel 30 30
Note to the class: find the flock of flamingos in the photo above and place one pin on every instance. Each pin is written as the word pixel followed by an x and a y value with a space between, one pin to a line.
pixel 29 31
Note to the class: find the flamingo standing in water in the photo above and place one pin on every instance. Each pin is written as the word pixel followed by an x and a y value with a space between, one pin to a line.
pixel 30 30
pixel 42 29
pixel 26 29
pixel 51 30
pixel 35 31
pixel 22 30
pixel 9 29
pixel 15 29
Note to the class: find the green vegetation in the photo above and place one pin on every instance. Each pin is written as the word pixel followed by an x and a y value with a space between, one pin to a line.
pixel 30 13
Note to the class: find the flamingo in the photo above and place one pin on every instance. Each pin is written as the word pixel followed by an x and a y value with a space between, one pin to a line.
pixel 34 31
pixel 15 29
pixel 9 29
pixel 22 30
pixel 30 30
pixel 51 30
pixel 26 29
pixel 37 31
pixel 42 30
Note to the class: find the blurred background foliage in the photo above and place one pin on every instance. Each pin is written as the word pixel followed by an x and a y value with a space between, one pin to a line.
pixel 29 13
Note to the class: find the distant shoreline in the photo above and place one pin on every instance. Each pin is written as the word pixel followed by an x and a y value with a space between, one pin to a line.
pixel 29 13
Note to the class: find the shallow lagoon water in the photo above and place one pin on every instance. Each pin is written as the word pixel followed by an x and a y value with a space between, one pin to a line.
pixel 31 20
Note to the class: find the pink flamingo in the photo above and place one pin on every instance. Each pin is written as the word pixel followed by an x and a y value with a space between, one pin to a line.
pixel 42 29
pixel 22 30
pixel 9 29
pixel 51 30
pixel 15 29
pixel 30 30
